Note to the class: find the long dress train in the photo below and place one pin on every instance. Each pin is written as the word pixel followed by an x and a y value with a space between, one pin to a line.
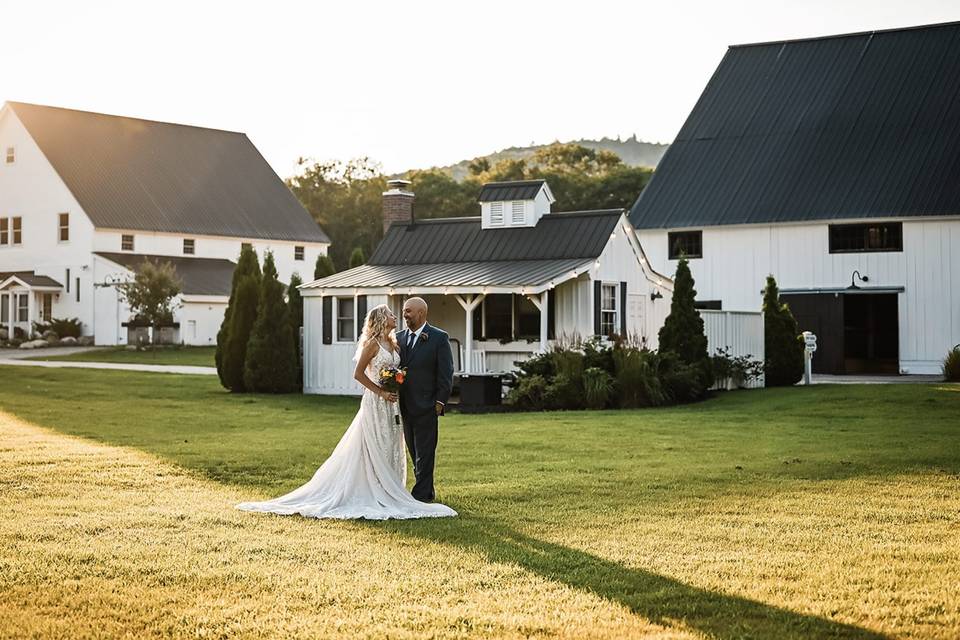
pixel 365 476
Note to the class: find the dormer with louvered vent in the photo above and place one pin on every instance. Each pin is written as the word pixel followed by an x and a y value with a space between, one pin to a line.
pixel 506 205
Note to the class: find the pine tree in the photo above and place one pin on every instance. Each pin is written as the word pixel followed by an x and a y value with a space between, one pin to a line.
pixel 247 265
pixel 682 332
pixel 295 303
pixel 357 258
pixel 271 359
pixel 242 319
pixel 324 267
pixel 783 346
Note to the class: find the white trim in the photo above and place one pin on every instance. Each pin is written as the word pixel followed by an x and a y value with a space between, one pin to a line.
pixel 335 334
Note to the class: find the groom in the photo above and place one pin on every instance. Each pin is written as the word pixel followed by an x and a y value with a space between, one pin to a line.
pixel 425 352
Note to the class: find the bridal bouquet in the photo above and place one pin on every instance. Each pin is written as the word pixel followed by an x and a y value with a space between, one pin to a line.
pixel 390 379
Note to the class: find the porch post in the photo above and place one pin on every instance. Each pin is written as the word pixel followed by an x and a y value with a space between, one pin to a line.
pixel 543 320
pixel 468 307
pixel 30 304
pixel 11 306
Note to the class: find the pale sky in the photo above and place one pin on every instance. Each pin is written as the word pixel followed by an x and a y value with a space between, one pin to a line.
pixel 410 85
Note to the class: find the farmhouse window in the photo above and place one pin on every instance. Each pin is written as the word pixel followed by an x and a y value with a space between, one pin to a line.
pixel 873 236
pixel 189 246
pixel 685 244
pixel 64 227
pixel 298 253
pixel 126 242
pixel 345 317
pixel 609 311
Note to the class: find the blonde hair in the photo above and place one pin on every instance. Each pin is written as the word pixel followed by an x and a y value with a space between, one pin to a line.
pixel 375 328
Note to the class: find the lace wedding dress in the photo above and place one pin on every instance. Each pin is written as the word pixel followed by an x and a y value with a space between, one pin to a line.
pixel 365 476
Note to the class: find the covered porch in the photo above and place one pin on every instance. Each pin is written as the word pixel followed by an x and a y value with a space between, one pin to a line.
pixel 496 313
pixel 25 298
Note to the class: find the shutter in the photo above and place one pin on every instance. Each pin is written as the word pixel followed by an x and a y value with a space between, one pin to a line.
pixel 552 315
pixel 327 320
pixel 623 309
pixel 597 293
pixel 361 314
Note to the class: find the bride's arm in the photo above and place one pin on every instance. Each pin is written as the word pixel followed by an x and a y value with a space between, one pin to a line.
pixel 360 375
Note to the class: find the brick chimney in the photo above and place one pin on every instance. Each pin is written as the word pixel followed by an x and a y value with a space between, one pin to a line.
pixel 397 203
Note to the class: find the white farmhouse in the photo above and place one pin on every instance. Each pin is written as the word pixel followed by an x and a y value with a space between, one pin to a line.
pixel 86 197
pixel 504 285
pixel 833 164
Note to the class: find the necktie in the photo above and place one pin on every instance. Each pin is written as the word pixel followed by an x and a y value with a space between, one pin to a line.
pixel 410 340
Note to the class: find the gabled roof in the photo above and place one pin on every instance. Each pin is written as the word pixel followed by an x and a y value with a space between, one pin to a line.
pixel 200 276
pixel 556 236
pixel 516 190
pixel 30 278
pixel 854 126
pixel 530 274
pixel 136 174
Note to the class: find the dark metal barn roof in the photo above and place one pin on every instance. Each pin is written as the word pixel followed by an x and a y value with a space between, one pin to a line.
pixel 556 236
pixel 200 276
pixel 517 190
pixel 128 173
pixel 855 126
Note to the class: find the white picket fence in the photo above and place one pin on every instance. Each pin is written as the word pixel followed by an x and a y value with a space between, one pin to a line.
pixel 741 332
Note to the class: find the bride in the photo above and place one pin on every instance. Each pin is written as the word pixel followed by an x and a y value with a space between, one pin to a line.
pixel 365 476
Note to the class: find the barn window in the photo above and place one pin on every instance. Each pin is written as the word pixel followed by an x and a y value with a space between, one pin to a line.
pixel 189 246
pixel 872 236
pixel 609 310
pixel 64 227
pixel 345 316
pixel 4 231
pixel 517 212
pixel 11 155
pixel 496 213
pixel 685 244
pixel 298 253
pixel 126 242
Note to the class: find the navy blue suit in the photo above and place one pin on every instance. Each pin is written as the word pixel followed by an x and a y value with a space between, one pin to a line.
pixel 429 365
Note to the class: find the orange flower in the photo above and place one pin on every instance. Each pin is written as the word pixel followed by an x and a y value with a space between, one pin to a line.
pixel 400 377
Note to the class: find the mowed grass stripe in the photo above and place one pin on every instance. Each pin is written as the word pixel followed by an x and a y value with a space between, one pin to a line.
pixel 841 520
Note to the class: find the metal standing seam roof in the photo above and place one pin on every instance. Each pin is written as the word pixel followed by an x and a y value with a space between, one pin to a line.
pixel 516 190
pixel 556 236
pixel 851 126
pixel 129 173
pixel 502 273
pixel 31 278
pixel 200 276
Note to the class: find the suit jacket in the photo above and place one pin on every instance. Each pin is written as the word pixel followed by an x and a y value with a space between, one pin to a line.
pixel 429 366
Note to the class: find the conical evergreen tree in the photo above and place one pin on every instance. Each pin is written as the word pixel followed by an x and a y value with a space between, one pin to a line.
pixel 324 267
pixel 295 303
pixel 357 258
pixel 682 332
pixel 271 360
pixel 247 265
pixel 783 346
pixel 242 319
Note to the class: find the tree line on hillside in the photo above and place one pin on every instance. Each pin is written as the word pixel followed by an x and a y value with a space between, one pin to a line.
pixel 345 197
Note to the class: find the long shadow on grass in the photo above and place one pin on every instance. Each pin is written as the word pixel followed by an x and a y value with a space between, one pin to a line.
pixel 660 599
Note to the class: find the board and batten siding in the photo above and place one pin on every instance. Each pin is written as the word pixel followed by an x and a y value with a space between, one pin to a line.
pixel 737 259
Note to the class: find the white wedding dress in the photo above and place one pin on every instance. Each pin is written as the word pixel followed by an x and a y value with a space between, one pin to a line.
pixel 366 475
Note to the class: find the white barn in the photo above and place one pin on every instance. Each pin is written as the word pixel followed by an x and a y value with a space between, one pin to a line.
pixel 833 164
pixel 86 197
pixel 504 285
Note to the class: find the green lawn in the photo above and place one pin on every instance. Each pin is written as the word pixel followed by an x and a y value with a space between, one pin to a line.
pixel 823 512
pixel 192 356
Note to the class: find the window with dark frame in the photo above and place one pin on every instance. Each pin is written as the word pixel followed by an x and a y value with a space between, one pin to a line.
pixel 64 224
pixel 11 155
pixel 528 318
pixel 23 307
pixel 684 244
pixel 16 225
pixel 345 320
pixel 189 246
pixel 498 312
pixel 126 242
pixel 4 307
pixel 4 231
pixel 866 237
pixel 711 305
pixel 298 253
pixel 608 309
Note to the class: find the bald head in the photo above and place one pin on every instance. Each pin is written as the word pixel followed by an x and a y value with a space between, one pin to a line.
pixel 414 312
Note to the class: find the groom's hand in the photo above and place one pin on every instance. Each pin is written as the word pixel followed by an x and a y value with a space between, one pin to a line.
pixel 438 406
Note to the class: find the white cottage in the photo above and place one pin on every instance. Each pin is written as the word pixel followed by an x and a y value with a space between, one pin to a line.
pixel 831 163
pixel 86 197
pixel 504 285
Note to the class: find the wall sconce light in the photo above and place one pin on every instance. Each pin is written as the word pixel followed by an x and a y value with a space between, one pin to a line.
pixel 856 275
pixel 655 295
